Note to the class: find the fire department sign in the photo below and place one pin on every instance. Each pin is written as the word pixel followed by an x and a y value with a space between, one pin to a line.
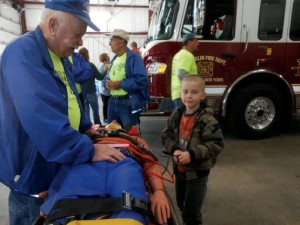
pixel 206 65
pixel 205 69
pixel 297 68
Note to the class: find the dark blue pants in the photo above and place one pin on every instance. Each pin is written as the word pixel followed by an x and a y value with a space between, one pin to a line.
pixel 190 195
pixel 119 109
pixel 177 103
pixel 105 99
pixel 92 100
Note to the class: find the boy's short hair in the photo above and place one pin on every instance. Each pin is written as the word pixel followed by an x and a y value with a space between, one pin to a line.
pixel 195 77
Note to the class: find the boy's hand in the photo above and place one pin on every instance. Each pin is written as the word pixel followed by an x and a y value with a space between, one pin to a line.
pixel 181 157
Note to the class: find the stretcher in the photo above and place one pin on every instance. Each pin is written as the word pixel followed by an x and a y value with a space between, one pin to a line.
pixel 110 206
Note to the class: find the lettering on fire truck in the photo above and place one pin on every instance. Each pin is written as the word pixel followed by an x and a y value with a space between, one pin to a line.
pixel 205 65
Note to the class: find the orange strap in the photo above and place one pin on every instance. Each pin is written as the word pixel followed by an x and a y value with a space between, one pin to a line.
pixel 133 148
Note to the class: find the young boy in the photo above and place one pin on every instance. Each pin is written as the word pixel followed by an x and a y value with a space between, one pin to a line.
pixel 194 138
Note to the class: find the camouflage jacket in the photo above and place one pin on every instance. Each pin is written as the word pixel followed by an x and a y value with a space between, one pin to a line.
pixel 206 140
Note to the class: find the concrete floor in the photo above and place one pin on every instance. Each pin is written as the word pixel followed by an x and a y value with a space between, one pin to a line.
pixel 253 183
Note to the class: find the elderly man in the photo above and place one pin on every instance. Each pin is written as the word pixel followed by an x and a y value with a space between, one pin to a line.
pixel 183 63
pixel 128 82
pixel 42 123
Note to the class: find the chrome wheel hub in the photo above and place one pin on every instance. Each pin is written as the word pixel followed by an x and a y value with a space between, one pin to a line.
pixel 260 113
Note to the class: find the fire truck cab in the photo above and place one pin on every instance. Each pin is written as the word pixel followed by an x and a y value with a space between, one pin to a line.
pixel 249 57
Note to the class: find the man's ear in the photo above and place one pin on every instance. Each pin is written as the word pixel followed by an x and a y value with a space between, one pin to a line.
pixel 53 25
pixel 124 43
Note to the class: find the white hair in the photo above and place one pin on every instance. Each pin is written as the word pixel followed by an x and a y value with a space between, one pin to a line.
pixel 59 15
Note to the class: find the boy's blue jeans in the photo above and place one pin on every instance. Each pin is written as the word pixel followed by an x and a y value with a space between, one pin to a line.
pixel 23 209
pixel 190 195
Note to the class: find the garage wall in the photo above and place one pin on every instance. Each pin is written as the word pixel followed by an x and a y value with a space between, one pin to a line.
pixel 97 44
pixel 131 15
pixel 9 25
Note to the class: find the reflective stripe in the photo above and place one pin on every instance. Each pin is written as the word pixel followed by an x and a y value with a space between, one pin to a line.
pixel 35 196
pixel 215 90
pixel 296 88
pixel 119 96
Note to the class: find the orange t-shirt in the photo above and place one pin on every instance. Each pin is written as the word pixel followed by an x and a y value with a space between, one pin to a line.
pixel 185 129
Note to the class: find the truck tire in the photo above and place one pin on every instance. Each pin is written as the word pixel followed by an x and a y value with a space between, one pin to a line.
pixel 257 111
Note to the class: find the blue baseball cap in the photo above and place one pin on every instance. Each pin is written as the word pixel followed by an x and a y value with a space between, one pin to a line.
pixel 79 8
pixel 190 36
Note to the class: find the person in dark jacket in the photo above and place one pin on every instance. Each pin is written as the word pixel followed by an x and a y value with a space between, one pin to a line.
pixel 90 87
pixel 128 82
pixel 105 95
pixel 194 139
pixel 42 123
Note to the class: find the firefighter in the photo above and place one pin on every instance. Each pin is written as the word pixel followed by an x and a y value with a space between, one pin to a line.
pixel 183 63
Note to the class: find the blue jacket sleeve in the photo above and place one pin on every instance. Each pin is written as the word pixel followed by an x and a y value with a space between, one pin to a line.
pixel 81 68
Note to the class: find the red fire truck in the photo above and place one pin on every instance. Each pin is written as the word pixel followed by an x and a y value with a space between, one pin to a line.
pixel 249 56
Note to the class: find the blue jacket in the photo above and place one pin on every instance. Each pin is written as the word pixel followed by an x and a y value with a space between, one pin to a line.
pixel 136 82
pixel 81 68
pixel 35 134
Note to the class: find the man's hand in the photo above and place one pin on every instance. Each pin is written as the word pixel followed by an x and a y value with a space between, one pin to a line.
pixel 115 85
pixel 92 133
pixel 104 152
pixel 107 85
pixel 160 206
